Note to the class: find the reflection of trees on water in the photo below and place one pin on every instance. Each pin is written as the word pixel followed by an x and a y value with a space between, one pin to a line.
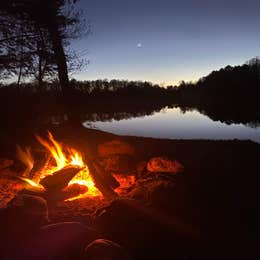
pixel 227 117
pixel 108 117
pixel 226 114
pixel 59 119
pixel 29 110
pixel 253 124
pixel 96 111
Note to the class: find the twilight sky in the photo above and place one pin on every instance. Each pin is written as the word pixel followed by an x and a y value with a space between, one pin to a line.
pixel 168 40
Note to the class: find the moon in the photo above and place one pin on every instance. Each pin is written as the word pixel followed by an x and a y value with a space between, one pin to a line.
pixel 139 45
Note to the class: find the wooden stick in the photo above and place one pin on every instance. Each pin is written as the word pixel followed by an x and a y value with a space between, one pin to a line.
pixel 100 182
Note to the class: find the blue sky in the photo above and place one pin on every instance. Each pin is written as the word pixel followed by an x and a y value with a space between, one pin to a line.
pixel 167 41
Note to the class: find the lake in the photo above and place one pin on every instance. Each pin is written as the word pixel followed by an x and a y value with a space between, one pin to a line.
pixel 172 123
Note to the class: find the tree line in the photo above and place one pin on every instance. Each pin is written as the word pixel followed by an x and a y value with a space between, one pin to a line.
pixel 230 94
pixel 229 84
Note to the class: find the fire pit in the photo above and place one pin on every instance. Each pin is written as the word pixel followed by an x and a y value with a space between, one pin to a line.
pixel 68 178
pixel 64 175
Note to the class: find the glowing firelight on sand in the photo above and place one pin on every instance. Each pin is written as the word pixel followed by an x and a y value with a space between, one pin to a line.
pixel 63 157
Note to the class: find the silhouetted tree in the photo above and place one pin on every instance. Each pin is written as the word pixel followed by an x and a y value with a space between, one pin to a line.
pixel 57 20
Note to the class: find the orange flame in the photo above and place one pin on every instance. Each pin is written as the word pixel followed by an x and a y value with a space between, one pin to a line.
pixel 26 158
pixel 32 183
pixel 65 156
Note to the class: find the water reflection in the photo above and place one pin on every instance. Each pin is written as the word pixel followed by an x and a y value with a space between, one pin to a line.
pixel 174 123
pixel 141 117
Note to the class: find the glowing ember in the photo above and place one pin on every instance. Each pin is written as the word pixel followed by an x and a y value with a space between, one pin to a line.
pixel 65 156
pixel 125 181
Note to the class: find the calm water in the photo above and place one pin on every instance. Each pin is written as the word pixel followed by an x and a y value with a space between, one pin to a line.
pixel 173 124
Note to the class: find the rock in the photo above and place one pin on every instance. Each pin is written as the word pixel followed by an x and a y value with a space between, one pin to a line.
pixel 65 240
pixel 103 249
pixel 27 212
pixel 118 164
pixel 116 157
pixel 60 179
pixel 115 147
pixel 161 164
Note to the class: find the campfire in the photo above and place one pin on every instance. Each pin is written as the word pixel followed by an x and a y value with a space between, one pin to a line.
pixel 64 174
pixel 60 173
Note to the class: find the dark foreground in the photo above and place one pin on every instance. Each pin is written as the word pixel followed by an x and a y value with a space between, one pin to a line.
pixel 208 212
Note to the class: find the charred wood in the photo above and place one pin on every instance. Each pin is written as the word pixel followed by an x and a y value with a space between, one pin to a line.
pixel 60 179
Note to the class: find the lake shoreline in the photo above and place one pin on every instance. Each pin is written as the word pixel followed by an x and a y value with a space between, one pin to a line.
pixel 173 123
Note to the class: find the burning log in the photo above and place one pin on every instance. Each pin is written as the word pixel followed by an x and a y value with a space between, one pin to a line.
pixel 60 179
pixel 105 184
pixel 39 167
pixel 106 176
pixel 52 196
pixel 69 192
pixel 55 180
